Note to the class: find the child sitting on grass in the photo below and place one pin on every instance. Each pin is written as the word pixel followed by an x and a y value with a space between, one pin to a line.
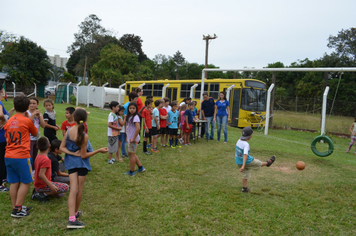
pixel 244 161
pixel 58 174
pixel 43 174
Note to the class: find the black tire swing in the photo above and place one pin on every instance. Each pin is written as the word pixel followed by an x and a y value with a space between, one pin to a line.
pixel 327 140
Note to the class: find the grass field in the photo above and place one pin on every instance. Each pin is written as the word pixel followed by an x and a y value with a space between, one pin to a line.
pixel 336 124
pixel 196 190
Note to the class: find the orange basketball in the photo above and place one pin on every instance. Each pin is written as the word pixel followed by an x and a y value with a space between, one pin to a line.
pixel 300 165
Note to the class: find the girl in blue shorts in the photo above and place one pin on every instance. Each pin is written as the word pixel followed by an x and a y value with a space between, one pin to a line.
pixel 78 166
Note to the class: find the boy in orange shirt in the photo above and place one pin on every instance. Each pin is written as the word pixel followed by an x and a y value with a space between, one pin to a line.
pixel 17 155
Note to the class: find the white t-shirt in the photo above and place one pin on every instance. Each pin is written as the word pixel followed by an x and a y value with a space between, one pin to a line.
pixel 131 128
pixel 36 122
pixel 114 119
pixel 242 148
pixel 168 109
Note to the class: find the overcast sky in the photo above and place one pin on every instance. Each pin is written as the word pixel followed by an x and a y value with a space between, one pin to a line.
pixel 250 33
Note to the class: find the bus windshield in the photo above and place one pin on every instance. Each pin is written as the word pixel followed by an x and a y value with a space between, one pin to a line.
pixel 253 99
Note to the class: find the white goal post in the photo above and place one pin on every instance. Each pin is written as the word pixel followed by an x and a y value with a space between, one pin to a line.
pixel 325 69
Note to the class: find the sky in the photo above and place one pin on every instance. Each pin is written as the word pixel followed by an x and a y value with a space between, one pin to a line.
pixel 250 33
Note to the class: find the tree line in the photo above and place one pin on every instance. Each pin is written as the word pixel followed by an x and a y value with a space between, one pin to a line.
pixel 97 54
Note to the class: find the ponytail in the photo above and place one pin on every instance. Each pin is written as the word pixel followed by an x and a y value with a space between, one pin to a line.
pixel 80 116
pixel 80 139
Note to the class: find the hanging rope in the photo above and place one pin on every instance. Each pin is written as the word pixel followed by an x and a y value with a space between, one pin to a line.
pixel 337 89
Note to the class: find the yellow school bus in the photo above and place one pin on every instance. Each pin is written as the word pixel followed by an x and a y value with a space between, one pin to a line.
pixel 247 97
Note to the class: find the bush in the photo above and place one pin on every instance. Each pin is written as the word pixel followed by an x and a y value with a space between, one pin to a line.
pixel 73 99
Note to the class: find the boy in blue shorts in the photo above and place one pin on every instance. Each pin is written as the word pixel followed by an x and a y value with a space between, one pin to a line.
pixel 246 162
pixel 172 122
pixel 17 155
pixel 188 125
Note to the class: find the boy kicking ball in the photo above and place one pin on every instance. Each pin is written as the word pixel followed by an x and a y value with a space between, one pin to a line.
pixel 244 161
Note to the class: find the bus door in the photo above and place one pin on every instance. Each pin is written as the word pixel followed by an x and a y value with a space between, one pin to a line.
pixel 235 101
pixel 171 93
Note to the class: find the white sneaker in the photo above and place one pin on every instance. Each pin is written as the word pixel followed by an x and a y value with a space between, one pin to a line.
pixel 113 159
pixel 110 161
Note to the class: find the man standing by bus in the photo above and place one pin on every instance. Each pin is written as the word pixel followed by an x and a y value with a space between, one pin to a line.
pixel 207 110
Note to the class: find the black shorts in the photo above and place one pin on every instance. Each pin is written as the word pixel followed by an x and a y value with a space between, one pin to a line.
pixel 154 131
pixel 81 171
pixel 162 130
pixel 173 131
pixel 147 135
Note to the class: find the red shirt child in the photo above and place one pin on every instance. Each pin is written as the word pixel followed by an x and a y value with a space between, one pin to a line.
pixel 162 122
pixel 146 113
pixel 41 162
pixel 66 125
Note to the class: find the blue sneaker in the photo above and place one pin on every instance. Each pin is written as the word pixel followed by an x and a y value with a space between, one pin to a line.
pixel 149 145
pixel 132 174
pixel 141 170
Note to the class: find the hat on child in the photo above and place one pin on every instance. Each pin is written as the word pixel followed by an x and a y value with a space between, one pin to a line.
pixel 246 132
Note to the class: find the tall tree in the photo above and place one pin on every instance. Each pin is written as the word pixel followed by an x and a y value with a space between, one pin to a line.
pixel 89 41
pixel 133 44
pixel 88 29
pixel 25 62
pixel 56 73
pixel 178 60
pixel 115 63
pixel 344 43
pixel 6 38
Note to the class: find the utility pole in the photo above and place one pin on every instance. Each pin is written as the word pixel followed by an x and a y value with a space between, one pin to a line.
pixel 207 38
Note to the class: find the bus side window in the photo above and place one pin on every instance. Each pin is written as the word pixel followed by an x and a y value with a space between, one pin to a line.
pixel 214 91
pixel 147 89
pixel 198 90
pixel 127 89
pixel 185 90
pixel 157 90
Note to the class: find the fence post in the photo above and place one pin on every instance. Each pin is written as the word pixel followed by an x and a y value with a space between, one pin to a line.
pixel 272 100
pixel 296 103
pixel 314 105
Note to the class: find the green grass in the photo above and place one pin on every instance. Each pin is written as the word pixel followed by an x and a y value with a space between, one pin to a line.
pixel 336 124
pixel 195 190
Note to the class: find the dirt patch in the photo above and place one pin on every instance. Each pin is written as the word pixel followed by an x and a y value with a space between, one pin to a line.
pixel 283 169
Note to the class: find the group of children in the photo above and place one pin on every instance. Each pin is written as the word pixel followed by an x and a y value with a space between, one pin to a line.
pixel 22 158
pixel 24 141
pixel 164 121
